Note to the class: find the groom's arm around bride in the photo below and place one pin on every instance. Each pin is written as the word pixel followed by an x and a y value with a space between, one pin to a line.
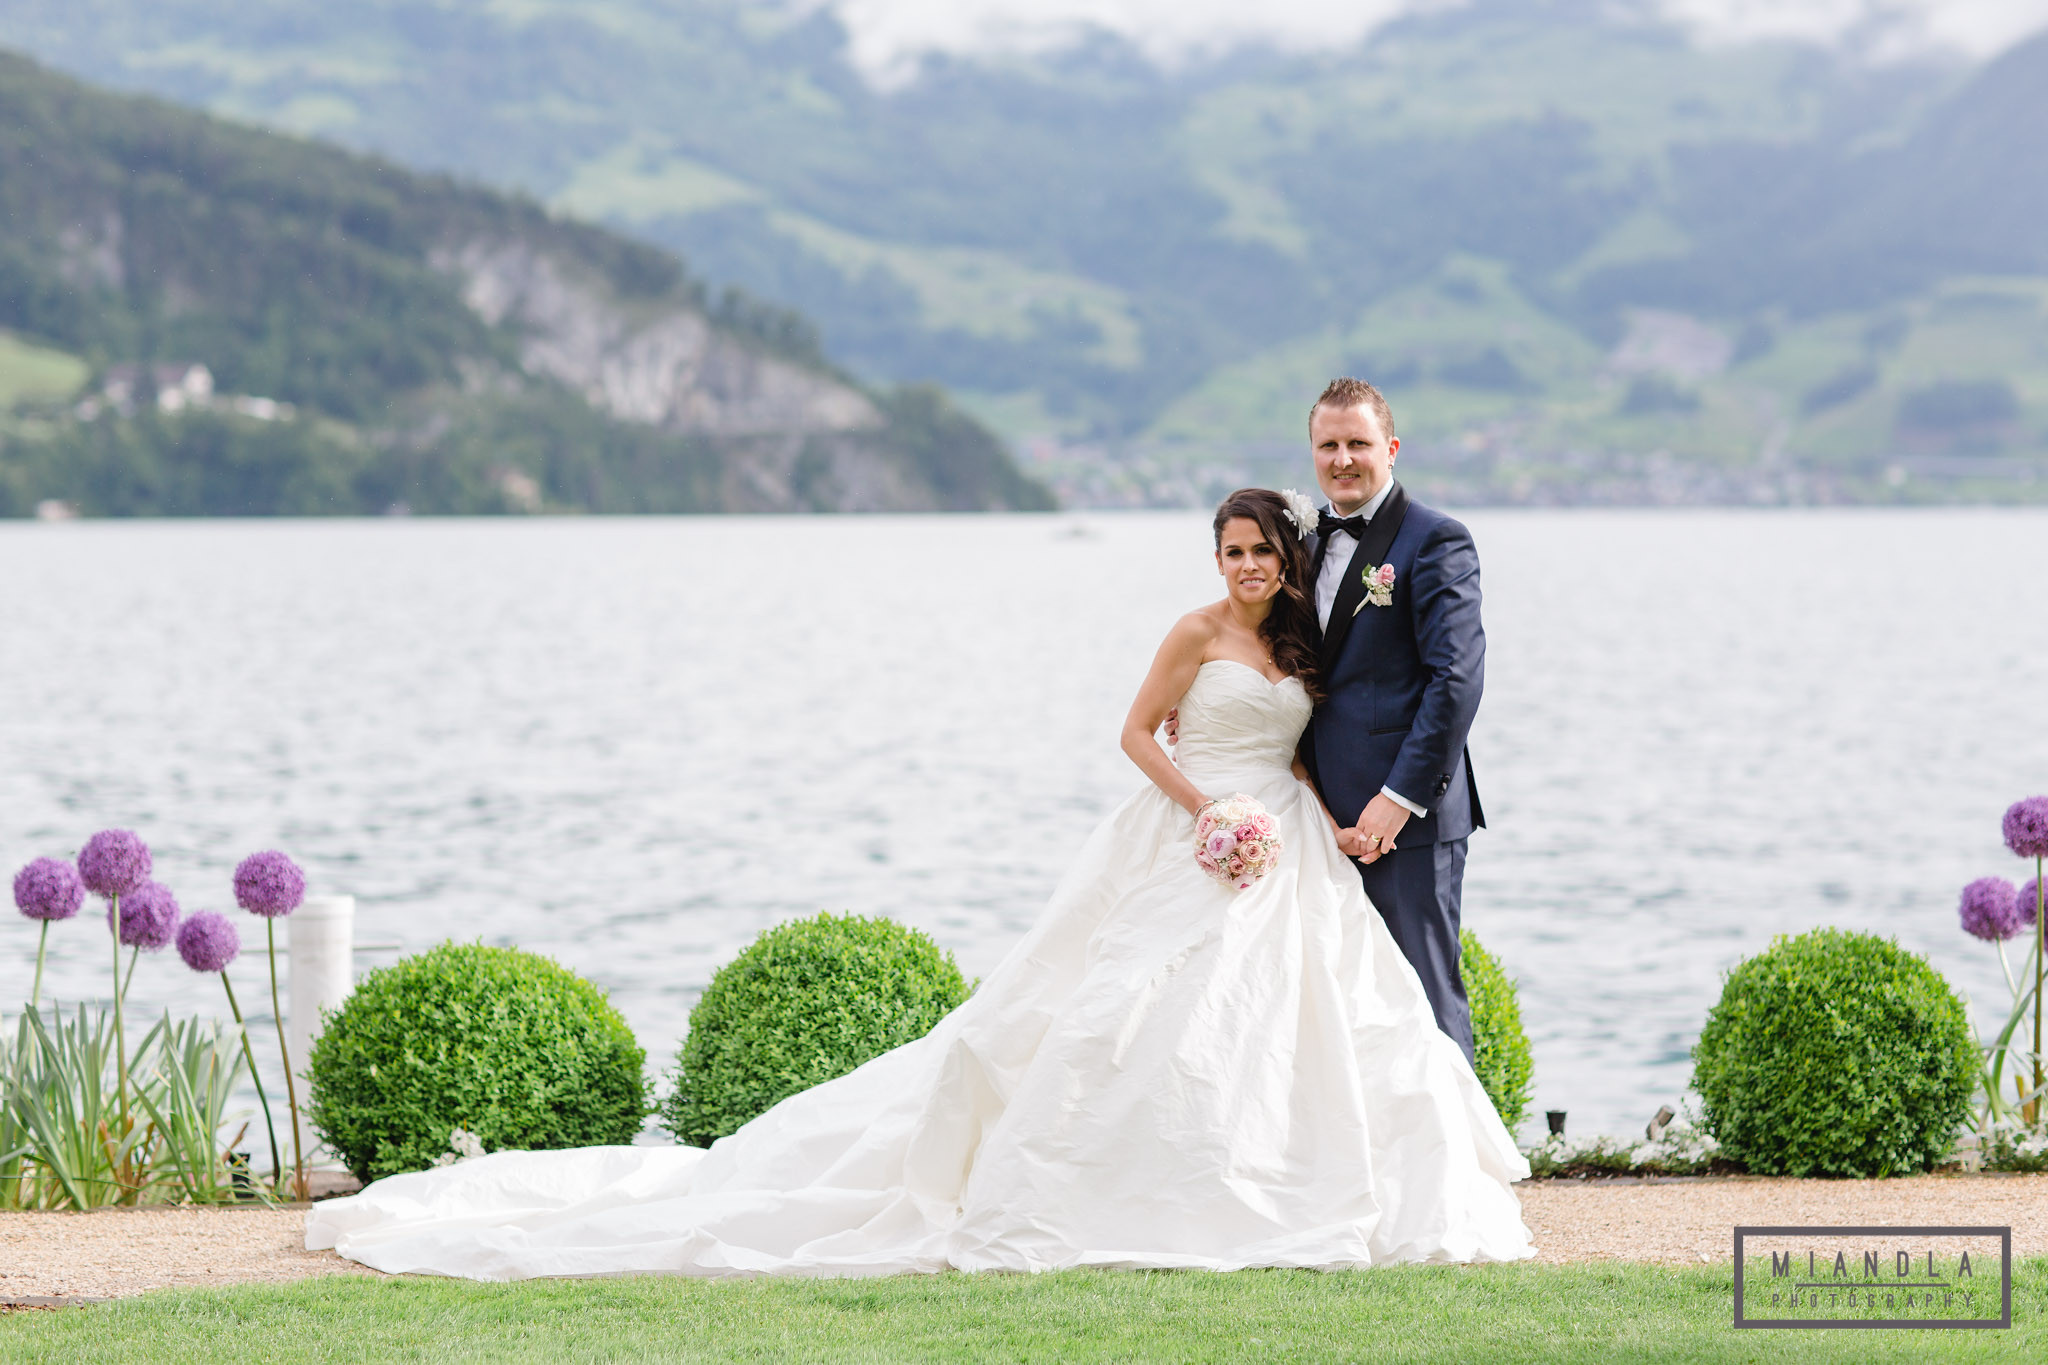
pixel 1403 661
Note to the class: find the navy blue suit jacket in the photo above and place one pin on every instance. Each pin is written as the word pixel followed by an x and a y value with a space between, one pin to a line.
pixel 1403 681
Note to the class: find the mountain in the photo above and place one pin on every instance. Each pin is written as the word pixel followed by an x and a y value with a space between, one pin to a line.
pixel 203 318
pixel 1588 257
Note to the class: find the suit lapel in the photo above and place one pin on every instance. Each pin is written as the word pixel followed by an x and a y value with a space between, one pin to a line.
pixel 1372 549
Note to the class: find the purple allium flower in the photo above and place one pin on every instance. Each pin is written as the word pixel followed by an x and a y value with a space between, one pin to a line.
pixel 2027 903
pixel 208 941
pixel 2026 827
pixel 114 862
pixel 269 884
pixel 149 917
pixel 48 888
pixel 1989 910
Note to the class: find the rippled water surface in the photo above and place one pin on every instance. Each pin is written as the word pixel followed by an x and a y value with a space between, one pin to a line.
pixel 633 744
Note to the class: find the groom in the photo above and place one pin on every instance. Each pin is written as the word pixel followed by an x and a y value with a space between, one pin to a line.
pixel 1403 656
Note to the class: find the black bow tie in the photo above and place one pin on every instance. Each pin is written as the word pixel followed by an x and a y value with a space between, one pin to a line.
pixel 1351 526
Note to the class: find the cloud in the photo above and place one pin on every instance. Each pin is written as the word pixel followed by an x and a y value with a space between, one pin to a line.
pixel 889 36
pixel 1882 28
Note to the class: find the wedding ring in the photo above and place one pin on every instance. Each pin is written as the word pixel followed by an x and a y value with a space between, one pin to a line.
pixel 1375 839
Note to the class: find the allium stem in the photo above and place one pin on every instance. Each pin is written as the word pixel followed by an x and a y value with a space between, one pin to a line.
pixel 2040 970
pixel 35 994
pixel 120 1035
pixel 291 1090
pixel 134 956
pixel 276 1163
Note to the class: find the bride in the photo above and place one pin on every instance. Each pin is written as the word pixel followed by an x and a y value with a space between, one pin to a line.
pixel 1164 1072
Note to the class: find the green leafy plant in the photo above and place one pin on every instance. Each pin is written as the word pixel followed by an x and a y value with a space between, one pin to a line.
pixel 195 1067
pixel 508 1045
pixel 1681 1149
pixel 63 1141
pixel 63 1096
pixel 1500 1046
pixel 1837 1054
pixel 2009 1148
pixel 805 1002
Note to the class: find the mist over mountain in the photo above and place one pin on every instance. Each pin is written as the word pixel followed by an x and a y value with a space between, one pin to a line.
pixel 1591 252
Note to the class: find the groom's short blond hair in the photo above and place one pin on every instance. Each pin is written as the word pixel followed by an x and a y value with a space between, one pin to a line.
pixel 1356 393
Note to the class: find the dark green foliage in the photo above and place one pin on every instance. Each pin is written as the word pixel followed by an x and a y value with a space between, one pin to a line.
pixel 1958 405
pixel 963 463
pixel 1489 371
pixel 805 1002
pixel 216 465
pixel 1835 1054
pixel 518 1050
pixel 1756 340
pixel 1654 393
pixel 194 464
pixel 1499 1044
pixel 140 232
pixel 1853 381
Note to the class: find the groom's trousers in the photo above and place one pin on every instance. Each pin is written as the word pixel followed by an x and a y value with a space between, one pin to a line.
pixel 1419 893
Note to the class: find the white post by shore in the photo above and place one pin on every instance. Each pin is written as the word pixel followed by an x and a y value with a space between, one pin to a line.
pixel 323 953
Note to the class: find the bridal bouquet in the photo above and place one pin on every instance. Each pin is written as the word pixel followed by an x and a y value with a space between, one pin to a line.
pixel 1236 842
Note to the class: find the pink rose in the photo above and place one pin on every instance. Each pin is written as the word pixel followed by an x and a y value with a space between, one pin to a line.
pixel 1385 576
pixel 1246 884
pixel 1221 843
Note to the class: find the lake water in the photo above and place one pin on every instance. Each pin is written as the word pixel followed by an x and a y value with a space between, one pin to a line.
pixel 633 744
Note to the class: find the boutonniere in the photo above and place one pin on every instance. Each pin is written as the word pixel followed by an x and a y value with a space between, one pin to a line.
pixel 1379 587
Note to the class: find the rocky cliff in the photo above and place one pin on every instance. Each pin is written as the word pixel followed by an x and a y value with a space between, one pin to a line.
pixel 372 339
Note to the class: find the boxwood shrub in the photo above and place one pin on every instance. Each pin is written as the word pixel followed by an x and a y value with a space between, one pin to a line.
pixel 1835 1054
pixel 805 1002
pixel 1500 1047
pixel 513 1047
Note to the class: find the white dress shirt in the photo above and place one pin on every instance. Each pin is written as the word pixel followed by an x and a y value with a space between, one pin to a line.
pixel 1336 559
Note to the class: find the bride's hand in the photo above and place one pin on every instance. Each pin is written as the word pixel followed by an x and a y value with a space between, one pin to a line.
pixel 1378 824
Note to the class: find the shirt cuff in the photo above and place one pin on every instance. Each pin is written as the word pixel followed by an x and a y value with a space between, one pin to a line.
pixel 1403 802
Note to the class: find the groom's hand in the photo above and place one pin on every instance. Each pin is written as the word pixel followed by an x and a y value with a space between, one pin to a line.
pixel 1382 817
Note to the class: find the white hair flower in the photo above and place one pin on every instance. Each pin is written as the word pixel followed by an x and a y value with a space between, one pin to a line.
pixel 1301 510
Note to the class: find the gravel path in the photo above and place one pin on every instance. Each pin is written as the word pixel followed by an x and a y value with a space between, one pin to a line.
pixel 1694 1220
pixel 111 1254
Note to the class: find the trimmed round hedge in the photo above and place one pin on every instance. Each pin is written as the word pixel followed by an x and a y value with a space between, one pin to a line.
pixel 1835 1054
pixel 511 1046
pixel 805 1002
pixel 1500 1047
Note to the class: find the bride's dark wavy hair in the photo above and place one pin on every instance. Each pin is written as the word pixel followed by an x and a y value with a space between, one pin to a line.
pixel 1289 630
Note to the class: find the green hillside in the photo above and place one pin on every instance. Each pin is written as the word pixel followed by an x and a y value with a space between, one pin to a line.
pixel 1588 258
pixel 201 318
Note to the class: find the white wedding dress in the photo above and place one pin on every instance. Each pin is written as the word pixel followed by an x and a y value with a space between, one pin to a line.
pixel 1162 1073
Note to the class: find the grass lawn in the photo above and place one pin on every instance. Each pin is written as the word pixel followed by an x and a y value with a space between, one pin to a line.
pixel 1535 1313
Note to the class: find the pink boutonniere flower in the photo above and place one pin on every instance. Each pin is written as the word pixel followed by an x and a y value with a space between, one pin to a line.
pixel 1379 587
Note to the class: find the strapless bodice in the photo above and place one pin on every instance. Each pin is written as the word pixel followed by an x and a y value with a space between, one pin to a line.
pixel 1232 720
